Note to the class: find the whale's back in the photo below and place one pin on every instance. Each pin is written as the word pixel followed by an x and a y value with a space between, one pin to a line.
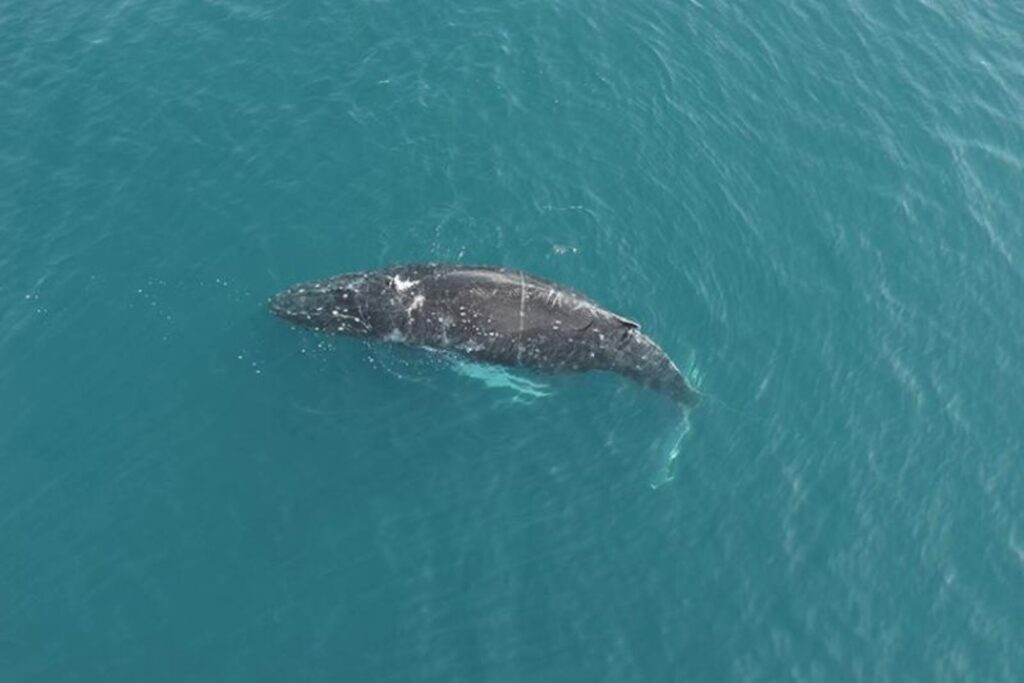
pixel 502 316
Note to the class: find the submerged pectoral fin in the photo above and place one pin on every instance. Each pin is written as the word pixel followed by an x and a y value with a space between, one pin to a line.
pixel 497 377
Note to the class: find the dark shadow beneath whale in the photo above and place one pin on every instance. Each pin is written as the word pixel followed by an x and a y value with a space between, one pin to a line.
pixel 492 315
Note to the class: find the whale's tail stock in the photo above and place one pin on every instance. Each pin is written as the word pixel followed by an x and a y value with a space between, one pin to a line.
pixel 671 382
pixel 648 365
pixel 678 389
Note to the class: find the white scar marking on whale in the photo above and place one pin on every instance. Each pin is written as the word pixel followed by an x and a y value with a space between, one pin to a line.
pixel 417 303
pixel 402 285
pixel 338 314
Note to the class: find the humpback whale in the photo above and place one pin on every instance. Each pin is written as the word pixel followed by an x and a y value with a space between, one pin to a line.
pixel 492 315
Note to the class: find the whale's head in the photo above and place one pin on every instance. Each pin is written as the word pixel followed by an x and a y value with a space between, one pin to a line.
pixel 346 304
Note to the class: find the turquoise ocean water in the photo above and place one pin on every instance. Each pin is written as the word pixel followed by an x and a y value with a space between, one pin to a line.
pixel 814 207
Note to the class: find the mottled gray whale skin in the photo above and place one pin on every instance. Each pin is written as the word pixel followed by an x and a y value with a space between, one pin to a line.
pixel 494 315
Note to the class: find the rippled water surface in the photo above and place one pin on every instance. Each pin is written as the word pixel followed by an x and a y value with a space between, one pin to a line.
pixel 815 208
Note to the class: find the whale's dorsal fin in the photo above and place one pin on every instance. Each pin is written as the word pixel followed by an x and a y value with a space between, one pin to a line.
pixel 626 321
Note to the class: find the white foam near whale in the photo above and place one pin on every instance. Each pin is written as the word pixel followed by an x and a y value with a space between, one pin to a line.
pixel 672 443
